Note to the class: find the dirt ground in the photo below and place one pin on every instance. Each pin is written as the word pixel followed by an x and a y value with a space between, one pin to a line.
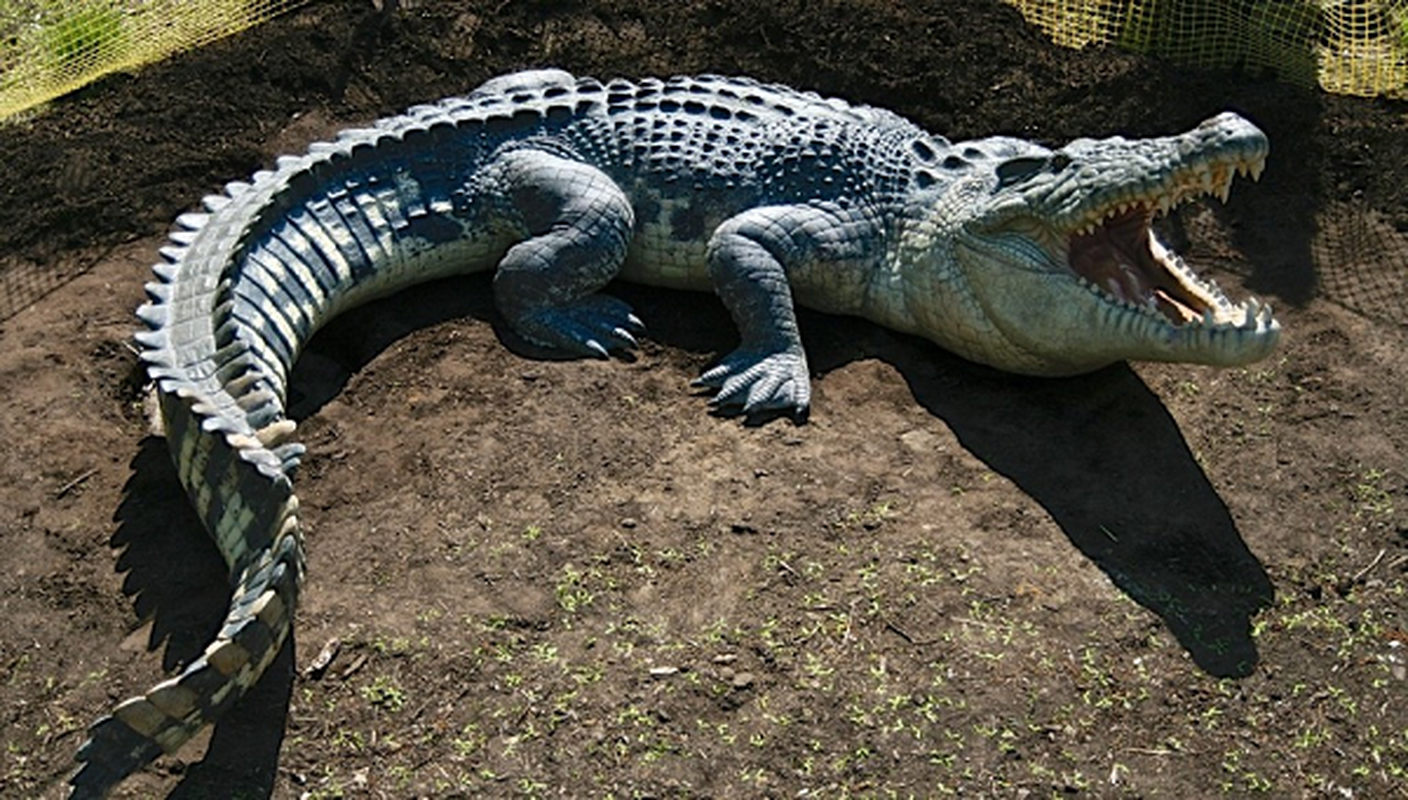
pixel 549 577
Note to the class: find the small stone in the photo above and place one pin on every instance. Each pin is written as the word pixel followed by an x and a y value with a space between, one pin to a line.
pixel 324 659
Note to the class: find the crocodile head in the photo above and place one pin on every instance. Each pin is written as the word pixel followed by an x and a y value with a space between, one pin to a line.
pixel 1061 265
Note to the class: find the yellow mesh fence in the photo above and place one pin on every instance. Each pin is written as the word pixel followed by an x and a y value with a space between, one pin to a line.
pixel 1357 47
pixel 50 47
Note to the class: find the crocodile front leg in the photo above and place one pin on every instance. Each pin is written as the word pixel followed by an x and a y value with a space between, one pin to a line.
pixel 757 260
pixel 579 224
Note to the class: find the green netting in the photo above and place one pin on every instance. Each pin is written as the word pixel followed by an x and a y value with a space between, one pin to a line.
pixel 1358 47
pixel 1361 261
pixel 50 47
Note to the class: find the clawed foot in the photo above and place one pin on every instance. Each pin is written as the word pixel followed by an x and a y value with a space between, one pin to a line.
pixel 751 382
pixel 595 325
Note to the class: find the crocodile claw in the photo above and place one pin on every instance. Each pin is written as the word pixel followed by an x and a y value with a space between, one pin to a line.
pixel 596 326
pixel 751 383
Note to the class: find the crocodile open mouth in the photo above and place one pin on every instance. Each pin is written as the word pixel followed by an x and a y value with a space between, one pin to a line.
pixel 1116 254
pixel 1121 257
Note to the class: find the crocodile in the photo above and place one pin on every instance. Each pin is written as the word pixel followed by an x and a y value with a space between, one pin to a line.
pixel 1033 260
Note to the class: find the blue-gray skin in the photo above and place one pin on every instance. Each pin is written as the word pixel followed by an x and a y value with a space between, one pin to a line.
pixel 1028 259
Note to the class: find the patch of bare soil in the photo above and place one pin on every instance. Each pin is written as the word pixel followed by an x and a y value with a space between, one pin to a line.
pixel 565 578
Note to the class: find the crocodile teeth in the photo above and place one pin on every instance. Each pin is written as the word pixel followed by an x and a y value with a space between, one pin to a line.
pixel 1252 316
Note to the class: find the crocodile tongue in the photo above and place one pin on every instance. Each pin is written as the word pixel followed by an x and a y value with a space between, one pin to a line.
pixel 1119 257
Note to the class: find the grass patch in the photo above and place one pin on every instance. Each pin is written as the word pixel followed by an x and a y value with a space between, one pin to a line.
pixel 84 36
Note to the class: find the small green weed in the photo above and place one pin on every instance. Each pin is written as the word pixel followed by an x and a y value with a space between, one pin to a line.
pixel 384 693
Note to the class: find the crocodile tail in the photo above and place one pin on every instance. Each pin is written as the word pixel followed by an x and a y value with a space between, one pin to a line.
pixel 243 285
pixel 170 713
pixel 253 514
pixel 230 445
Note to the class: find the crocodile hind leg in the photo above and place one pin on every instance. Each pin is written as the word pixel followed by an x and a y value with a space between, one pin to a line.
pixel 579 225
pixel 757 260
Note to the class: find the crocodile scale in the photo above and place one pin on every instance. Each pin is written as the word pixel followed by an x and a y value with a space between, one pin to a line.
pixel 1029 259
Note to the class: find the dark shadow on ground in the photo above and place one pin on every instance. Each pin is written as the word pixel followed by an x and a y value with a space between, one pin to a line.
pixel 1103 456
pixel 176 578
pixel 174 575
pixel 1275 224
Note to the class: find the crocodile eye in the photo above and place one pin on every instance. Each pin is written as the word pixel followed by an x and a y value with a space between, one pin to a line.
pixel 1015 170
